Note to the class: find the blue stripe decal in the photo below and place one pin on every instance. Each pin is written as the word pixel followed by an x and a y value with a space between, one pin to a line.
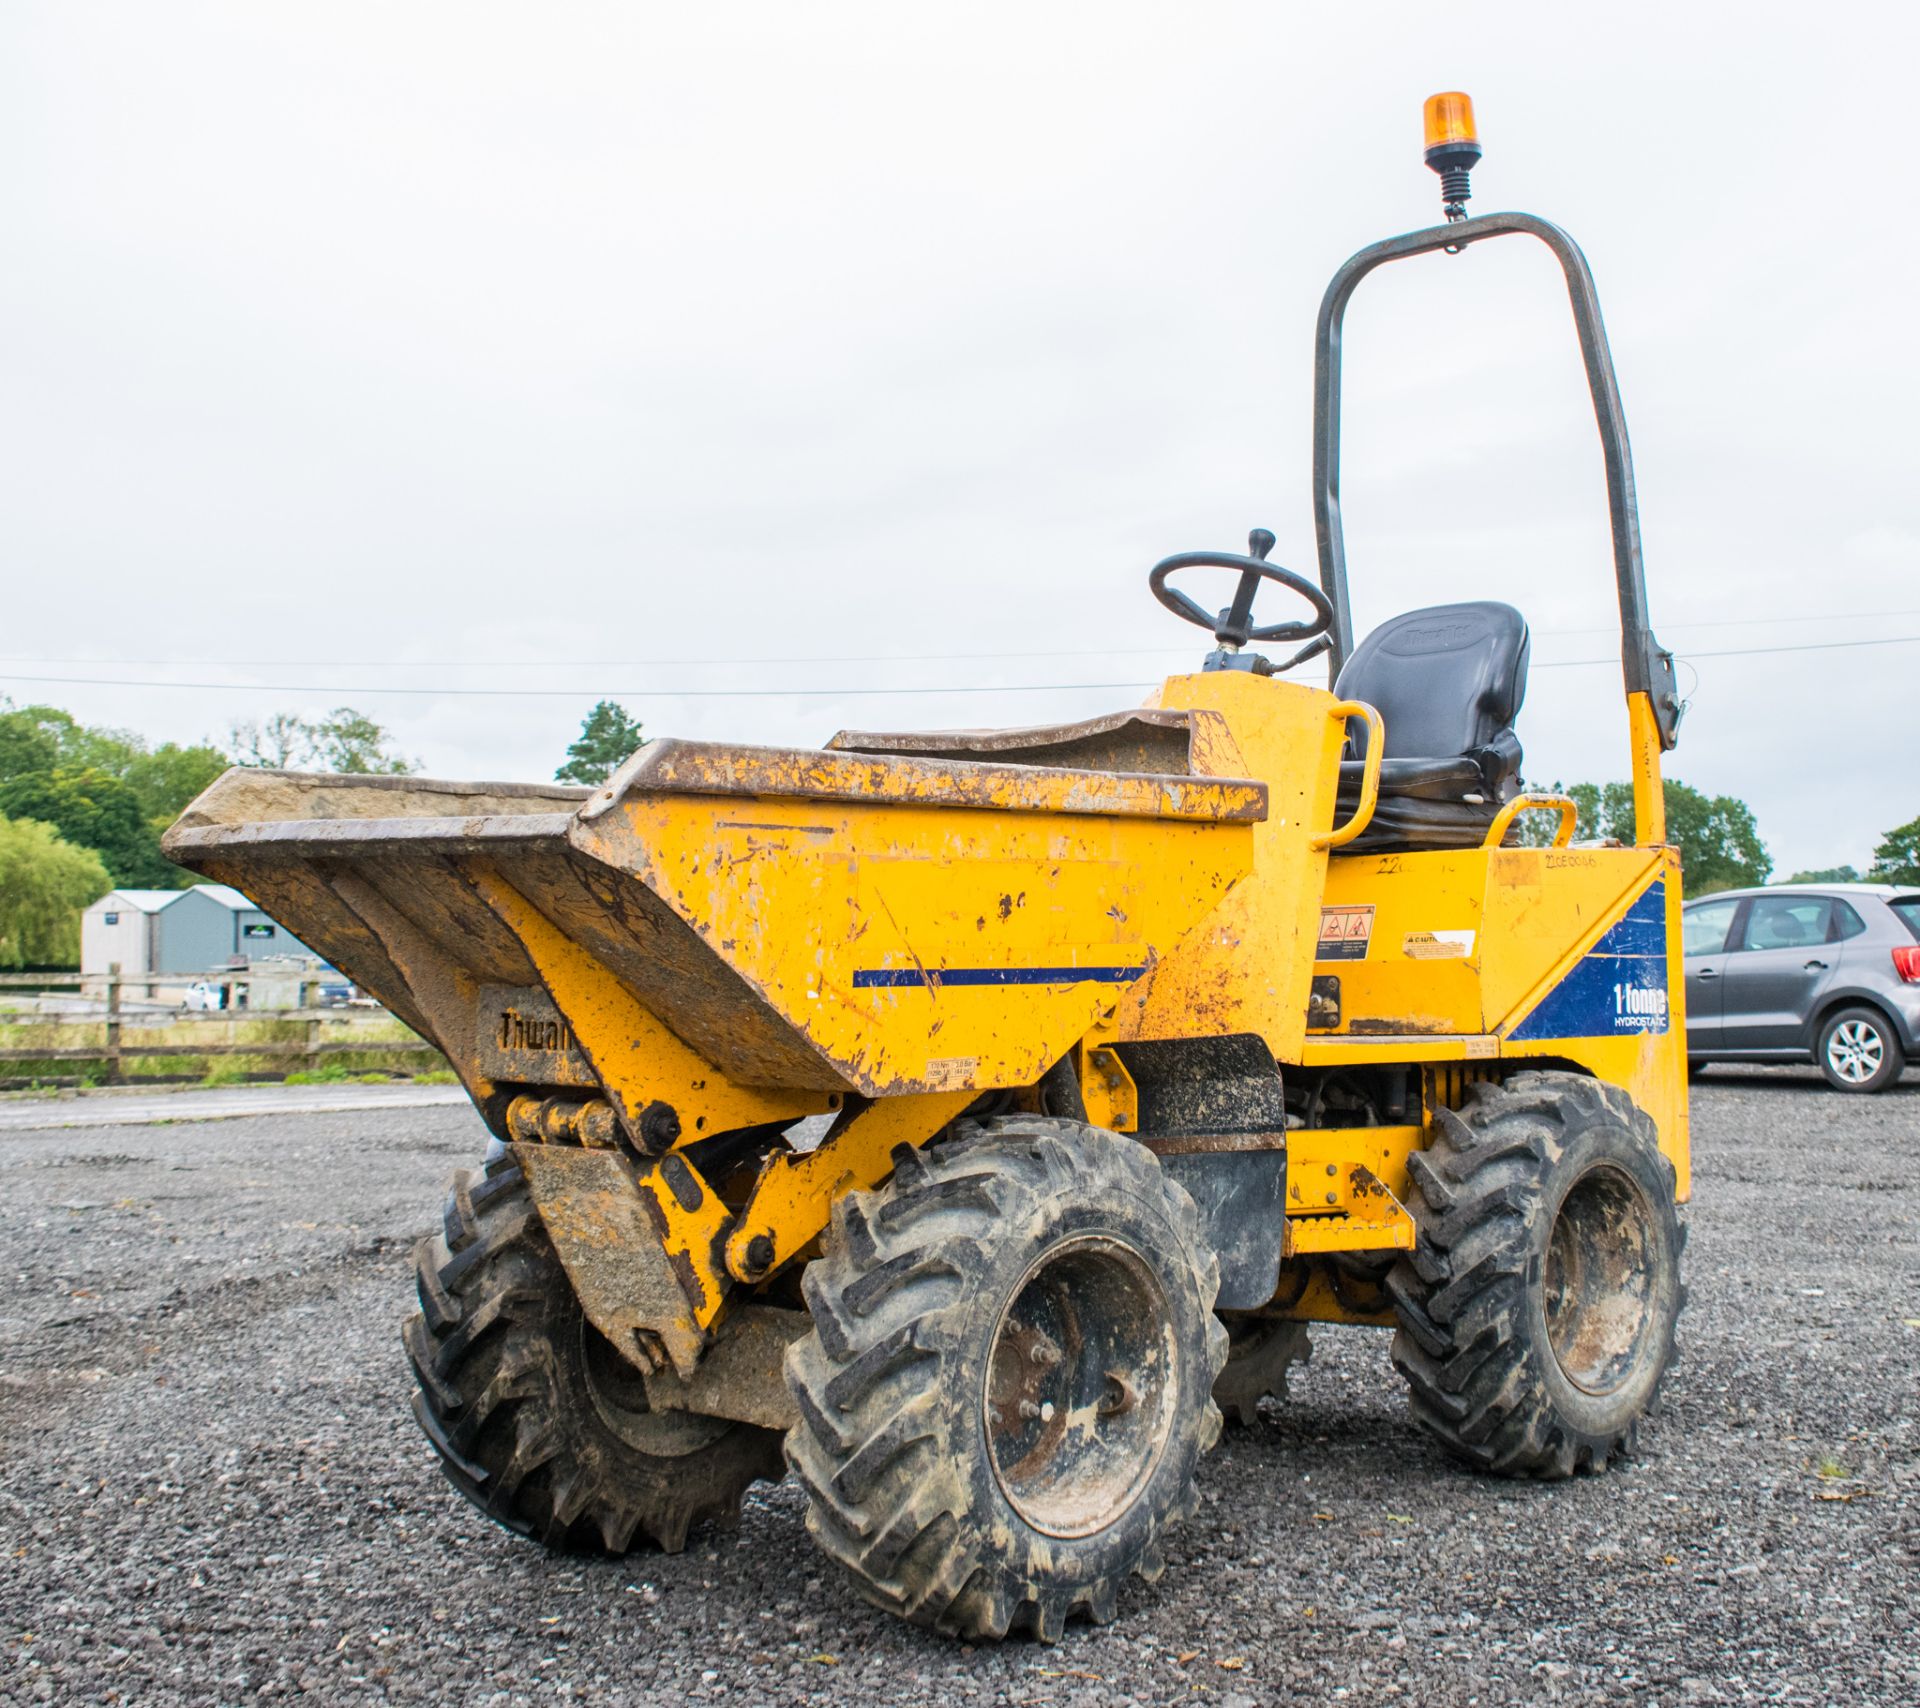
pixel 1619 986
pixel 905 978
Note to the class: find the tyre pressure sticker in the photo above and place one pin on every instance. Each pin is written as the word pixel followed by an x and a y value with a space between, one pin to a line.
pixel 1344 933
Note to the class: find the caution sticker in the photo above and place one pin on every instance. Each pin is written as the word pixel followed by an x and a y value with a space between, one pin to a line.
pixel 1344 933
pixel 1437 945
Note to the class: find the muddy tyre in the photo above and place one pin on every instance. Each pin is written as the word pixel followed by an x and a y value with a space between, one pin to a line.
pixel 1260 1352
pixel 1008 1382
pixel 535 1417
pixel 1537 1312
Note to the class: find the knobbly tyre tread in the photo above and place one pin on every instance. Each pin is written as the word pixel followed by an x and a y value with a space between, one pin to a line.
pixel 884 1450
pixel 501 1399
pixel 1260 1351
pixel 1467 1342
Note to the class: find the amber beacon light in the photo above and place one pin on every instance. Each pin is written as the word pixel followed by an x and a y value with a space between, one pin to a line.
pixel 1453 148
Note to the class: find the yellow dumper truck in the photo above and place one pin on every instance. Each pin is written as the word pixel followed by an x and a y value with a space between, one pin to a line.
pixel 963 1120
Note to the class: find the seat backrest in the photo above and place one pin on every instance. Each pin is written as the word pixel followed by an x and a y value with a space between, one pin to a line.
pixel 1447 681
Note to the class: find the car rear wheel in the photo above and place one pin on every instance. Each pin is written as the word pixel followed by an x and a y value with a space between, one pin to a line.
pixel 1859 1051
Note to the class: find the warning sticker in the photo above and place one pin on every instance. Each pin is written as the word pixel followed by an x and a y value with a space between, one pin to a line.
pixel 1437 945
pixel 1344 932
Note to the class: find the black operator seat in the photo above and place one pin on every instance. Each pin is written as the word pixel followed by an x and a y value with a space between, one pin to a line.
pixel 1447 682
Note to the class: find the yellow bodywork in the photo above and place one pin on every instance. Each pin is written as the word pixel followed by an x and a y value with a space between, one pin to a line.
pixel 735 939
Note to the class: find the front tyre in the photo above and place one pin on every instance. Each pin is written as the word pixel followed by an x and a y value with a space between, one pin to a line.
pixel 1008 1382
pixel 1859 1051
pixel 537 1419
pixel 1537 1310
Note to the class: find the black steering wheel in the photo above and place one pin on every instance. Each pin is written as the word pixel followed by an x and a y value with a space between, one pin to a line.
pixel 1234 626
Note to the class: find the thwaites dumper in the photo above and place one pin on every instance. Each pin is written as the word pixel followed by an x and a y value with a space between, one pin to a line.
pixel 964 1121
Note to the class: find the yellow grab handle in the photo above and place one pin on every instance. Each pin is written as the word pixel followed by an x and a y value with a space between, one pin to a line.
pixel 1342 834
pixel 1568 808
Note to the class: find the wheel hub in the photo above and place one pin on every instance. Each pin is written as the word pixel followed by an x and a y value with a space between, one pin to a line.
pixel 1856 1051
pixel 619 1394
pixel 1600 1278
pixel 1080 1386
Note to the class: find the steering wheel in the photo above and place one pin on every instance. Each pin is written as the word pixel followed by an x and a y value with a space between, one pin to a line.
pixel 1234 626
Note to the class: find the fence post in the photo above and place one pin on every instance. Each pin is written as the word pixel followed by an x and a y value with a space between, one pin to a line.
pixel 113 1023
pixel 313 1045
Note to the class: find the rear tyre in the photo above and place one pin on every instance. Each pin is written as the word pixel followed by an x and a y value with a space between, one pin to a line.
pixel 1859 1051
pixel 536 1418
pixel 1537 1311
pixel 1008 1382
pixel 1260 1351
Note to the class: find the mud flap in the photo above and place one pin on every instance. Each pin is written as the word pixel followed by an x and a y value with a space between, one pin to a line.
pixel 1241 1196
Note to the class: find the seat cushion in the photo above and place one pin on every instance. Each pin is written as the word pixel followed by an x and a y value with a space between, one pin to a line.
pixel 1436 779
pixel 1448 682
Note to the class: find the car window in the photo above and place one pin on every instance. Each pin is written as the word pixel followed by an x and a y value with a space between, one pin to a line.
pixel 1703 929
pixel 1906 909
pixel 1846 923
pixel 1787 922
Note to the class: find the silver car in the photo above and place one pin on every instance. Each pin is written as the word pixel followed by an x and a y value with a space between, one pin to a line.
pixel 1826 973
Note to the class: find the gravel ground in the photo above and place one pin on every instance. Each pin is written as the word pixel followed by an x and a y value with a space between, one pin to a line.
pixel 213 1490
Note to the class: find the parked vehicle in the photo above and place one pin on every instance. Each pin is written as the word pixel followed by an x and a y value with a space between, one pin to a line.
pixel 205 996
pixel 1827 973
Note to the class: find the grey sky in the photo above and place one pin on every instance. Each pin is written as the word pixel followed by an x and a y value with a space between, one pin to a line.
pixel 581 339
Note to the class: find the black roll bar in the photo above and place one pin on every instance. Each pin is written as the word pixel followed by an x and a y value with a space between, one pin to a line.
pixel 1647 666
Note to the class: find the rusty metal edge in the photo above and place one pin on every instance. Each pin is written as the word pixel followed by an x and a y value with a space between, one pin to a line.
pixel 325 836
pixel 674 767
pixel 988 741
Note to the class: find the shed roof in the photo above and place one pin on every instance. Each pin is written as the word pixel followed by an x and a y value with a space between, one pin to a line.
pixel 227 896
pixel 152 901
pixel 146 901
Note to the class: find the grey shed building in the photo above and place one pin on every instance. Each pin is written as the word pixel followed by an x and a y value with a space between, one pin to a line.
pixel 192 931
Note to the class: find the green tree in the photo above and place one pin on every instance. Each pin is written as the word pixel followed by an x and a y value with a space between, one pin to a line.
pixel 1718 839
pixel 29 740
pixel 91 809
pixel 281 742
pixel 344 740
pixel 1897 859
pixel 167 777
pixel 41 739
pixel 45 883
pixel 1826 875
pixel 351 741
pixel 608 737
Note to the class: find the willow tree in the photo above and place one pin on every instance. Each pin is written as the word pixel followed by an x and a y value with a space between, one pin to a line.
pixel 45 883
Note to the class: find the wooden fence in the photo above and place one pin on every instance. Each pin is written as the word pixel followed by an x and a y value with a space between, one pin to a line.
pixel 308 1049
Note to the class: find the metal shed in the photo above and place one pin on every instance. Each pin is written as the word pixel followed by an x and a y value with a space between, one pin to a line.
pixel 190 931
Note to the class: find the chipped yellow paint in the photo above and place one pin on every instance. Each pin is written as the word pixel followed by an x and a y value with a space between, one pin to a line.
pixel 748 935
pixel 1534 913
pixel 1248 967
pixel 637 1059
pixel 1345 1186
pixel 794 1194
pixel 692 1222
pixel 1107 1090
pixel 914 941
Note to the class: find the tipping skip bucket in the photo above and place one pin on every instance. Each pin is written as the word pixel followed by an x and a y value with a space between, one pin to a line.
pixel 834 921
